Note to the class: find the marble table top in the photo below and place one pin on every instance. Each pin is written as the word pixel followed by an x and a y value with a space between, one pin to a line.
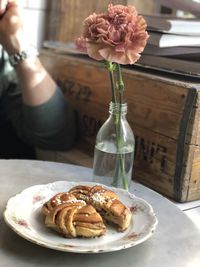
pixel 176 241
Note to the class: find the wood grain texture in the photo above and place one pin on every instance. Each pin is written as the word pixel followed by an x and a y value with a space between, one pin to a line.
pixel 156 106
pixel 66 17
pixel 145 6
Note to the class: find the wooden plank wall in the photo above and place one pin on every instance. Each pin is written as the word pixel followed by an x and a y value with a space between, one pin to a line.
pixel 66 16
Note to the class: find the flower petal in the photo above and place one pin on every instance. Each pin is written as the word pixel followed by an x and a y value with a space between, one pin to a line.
pixel 93 51
pixel 130 57
pixel 117 36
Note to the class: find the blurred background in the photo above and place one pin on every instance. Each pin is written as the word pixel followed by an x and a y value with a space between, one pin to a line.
pixel 60 20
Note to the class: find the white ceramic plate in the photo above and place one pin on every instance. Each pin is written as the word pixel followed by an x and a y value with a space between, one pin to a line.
pixel 23 215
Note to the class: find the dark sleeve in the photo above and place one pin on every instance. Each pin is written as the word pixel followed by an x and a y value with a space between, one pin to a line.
pixel 50 126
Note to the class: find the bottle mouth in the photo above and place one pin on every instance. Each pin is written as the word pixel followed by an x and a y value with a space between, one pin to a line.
pixel 116 108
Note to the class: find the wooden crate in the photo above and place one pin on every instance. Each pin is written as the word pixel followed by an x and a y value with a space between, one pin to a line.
pixel 164 114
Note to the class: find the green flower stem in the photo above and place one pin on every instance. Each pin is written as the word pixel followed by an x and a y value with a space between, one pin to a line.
pixel 112 86
pixel 111 68
pixel 120 82
pixel 120 172
pixel 120 85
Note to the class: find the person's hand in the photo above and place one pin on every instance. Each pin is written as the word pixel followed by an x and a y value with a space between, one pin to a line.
pixel 11 27
pixel 3 4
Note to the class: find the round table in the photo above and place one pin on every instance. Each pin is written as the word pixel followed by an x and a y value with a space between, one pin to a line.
pixel 176 241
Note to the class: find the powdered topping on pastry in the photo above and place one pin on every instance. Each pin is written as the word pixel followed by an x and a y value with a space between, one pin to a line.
pixel 81 192
pixel 76 219
pixel 75 201
pixel 98 197
pixel 82 210
pixel 56 200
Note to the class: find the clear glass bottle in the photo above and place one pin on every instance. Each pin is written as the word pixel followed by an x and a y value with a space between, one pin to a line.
pixel 114 149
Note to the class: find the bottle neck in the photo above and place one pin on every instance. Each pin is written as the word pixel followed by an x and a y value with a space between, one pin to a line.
pixel 118 109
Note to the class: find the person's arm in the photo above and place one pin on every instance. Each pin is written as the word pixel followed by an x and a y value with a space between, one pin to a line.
pixel 36 106
pixel 36 84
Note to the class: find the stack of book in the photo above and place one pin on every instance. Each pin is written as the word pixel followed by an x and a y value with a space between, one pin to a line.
pixel 173 45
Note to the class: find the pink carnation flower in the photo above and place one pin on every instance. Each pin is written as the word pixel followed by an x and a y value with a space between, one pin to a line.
pixel 117 36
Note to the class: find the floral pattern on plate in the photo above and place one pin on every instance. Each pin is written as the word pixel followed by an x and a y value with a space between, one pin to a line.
pixel 23 215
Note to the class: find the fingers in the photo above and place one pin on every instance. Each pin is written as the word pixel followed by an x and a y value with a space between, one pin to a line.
pixel 12 3
pixel 3 5
pixel 8 5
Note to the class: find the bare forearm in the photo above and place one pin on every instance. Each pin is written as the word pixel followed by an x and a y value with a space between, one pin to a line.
pixel 45 118
pixel 36 84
